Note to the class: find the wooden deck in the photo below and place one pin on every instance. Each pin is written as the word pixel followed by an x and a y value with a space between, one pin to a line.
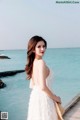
pixel 72 110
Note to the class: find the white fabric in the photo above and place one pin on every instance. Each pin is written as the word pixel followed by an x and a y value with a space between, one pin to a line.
pixel 41 106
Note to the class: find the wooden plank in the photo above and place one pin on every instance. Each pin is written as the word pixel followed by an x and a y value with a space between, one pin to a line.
pixel 72 110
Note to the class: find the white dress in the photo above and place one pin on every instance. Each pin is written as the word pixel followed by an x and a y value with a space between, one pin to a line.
pixel 41 106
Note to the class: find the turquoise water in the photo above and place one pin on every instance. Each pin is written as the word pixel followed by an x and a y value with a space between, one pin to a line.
pixel 15 97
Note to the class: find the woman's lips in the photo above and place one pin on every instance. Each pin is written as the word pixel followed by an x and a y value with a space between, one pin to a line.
pixel 42 52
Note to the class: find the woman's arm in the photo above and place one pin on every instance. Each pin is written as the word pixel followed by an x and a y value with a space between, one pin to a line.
pixel 42 81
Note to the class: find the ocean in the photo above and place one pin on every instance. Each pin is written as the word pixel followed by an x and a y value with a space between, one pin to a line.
pixel 65 63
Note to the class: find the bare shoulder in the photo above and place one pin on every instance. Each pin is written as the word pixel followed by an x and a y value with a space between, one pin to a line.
pixel 41 62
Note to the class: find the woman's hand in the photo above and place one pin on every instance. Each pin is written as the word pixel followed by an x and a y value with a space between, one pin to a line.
pixel 57 99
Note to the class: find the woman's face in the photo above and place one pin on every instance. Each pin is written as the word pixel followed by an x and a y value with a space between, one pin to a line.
pixel 40 49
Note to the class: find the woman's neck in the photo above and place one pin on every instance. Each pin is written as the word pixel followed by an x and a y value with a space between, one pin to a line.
pixel 38 58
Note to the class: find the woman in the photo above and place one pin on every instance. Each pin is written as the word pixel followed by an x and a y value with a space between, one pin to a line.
pixel 42 99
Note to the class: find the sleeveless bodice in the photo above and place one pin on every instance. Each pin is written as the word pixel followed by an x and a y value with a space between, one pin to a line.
pixel 49 81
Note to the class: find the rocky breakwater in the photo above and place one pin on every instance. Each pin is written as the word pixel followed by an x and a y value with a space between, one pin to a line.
pixel 10 73
pixel 2 56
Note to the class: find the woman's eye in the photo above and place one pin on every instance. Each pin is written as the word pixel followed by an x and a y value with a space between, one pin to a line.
pixel 43 46
pixel 39 46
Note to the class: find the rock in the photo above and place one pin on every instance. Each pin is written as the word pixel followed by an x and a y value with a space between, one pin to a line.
pixel 0 115
pixel 2 84
pixel 10 73
pixel 2 56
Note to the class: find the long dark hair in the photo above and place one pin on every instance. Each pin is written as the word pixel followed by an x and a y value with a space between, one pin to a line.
pixel 31 55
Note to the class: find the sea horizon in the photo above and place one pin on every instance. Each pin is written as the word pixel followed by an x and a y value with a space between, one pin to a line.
pixel 47 48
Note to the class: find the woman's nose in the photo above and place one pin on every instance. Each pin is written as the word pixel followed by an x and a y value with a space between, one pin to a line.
pixel 42 48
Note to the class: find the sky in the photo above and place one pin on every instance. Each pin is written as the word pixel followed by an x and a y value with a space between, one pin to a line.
pixel 58 24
